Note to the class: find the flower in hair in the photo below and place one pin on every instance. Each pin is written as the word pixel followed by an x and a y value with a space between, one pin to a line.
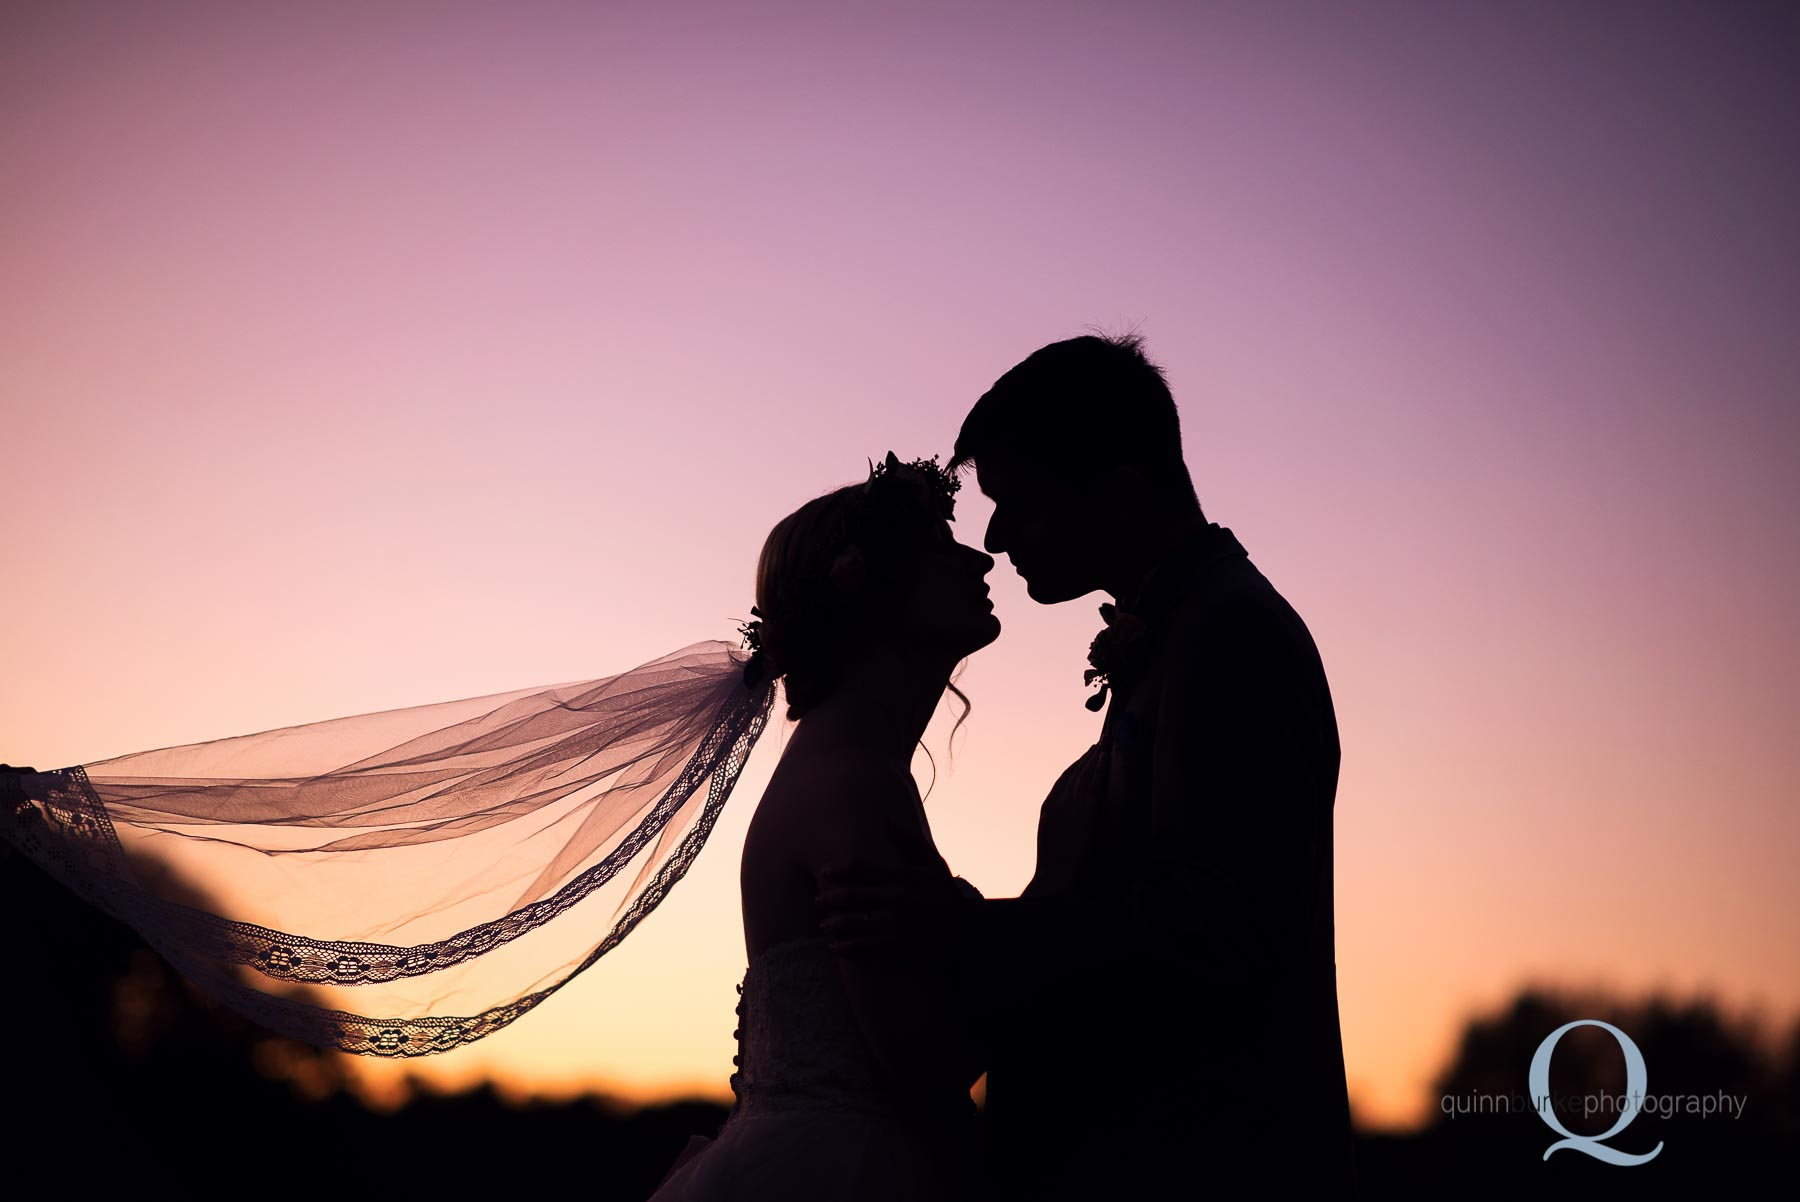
pixel 932 486
pixel 894 504
pixel 757 666
pixel 752 630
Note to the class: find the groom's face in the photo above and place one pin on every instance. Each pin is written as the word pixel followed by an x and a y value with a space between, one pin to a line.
pixel 1040 526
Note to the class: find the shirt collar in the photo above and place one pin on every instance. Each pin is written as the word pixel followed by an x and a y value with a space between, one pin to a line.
pixel 1203 545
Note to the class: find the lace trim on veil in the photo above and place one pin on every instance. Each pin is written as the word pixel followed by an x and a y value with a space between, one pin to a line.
pixel 67 827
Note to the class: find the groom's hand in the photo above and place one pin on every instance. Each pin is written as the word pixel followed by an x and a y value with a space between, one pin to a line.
pixel 870 911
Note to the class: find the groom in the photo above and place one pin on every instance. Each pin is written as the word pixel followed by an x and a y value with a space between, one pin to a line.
pixel 1161 1001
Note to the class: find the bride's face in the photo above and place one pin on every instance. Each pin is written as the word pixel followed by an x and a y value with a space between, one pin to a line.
pixel 947 607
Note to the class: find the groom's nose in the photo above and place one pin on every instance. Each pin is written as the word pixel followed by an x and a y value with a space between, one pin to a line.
pixel 993 538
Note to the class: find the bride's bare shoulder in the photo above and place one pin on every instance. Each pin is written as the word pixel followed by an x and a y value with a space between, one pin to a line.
pixel 827 805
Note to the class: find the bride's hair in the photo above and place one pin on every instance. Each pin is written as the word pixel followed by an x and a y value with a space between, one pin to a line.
pixel 807 623
pixel 801 636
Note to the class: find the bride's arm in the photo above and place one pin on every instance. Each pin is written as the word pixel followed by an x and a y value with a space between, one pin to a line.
pixel 911 1001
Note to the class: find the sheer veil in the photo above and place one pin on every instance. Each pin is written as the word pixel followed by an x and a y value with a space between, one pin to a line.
pixel 405 882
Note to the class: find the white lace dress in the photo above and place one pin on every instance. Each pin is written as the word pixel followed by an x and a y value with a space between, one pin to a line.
pixel 814 1119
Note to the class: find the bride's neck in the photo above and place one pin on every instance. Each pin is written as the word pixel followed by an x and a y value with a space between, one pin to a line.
pixel 883 701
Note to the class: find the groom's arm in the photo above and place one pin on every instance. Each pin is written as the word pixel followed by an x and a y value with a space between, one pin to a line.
pixel 1241 789
pixel 1228 933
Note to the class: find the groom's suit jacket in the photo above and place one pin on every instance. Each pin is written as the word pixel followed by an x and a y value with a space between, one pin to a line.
pixel 1163 995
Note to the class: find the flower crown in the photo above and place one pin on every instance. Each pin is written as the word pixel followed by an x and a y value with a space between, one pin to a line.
pixel 894 494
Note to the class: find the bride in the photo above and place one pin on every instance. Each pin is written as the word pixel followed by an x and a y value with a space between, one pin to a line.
pixel 854 1073
pixel 371 864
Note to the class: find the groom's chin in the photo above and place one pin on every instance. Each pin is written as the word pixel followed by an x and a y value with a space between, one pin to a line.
pixel 1049 592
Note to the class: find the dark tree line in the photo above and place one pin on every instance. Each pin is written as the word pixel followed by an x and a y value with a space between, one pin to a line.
pixel 123 1074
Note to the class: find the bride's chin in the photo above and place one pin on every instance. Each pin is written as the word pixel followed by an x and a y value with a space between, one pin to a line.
pixel 966 641
pixel 988 631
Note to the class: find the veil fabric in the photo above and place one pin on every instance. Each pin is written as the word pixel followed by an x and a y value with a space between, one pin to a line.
pixel 405 882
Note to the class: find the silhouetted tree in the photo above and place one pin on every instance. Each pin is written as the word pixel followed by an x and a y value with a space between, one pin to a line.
pixel 124 1073
pixel 1486 1139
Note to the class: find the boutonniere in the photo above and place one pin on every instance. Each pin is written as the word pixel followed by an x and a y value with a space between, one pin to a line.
pixel 1111 652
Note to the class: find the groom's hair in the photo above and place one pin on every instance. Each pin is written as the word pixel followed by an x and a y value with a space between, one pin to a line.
pixel 1085 402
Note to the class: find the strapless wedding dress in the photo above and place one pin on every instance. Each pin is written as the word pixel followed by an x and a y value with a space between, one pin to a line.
pixel 814 1120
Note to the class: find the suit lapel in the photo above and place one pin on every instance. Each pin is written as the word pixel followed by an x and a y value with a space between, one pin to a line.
pixel 1128 734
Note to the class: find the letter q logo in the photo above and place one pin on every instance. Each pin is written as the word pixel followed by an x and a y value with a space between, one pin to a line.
pixel 1636 1077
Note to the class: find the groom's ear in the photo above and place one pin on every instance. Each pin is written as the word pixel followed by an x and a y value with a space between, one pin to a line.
pixel 1123 486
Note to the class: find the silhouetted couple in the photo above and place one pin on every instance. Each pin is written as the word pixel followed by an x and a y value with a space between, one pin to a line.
pixel 1157 1012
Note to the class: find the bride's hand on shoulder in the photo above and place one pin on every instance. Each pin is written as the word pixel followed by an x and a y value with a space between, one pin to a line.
pixel 875 910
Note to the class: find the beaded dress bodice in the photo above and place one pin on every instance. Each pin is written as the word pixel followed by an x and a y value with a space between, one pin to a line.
pixel 799 1043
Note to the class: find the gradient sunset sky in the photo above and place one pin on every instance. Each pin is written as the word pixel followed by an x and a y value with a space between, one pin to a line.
pixel 354 357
